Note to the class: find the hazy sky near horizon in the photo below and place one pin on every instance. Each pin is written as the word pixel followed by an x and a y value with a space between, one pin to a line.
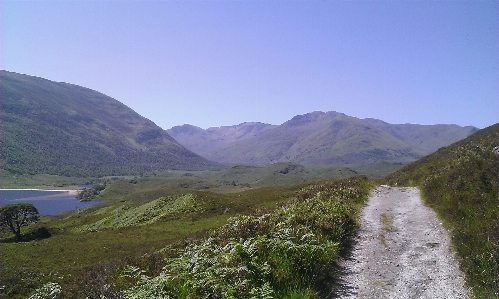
pixel 216 63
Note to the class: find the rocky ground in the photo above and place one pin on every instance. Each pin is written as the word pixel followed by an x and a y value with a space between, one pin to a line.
pixel 402 251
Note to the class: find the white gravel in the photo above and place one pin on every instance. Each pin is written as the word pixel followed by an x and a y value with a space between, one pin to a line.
pixel 402 251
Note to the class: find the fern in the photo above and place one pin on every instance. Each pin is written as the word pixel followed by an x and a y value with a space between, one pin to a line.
pixel 49 290
pixel 286 251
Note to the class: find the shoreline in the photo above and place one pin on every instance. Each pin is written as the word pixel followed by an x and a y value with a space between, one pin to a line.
pixel 70 191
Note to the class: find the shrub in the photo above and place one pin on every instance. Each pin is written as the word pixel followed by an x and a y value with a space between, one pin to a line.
pixel 280 254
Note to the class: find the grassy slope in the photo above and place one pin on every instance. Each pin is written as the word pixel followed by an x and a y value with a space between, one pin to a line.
pixel 70 252
pixel 39 181
pixel 63 129
pixel 154 184
pixel 461 182
pixel 425 139
pixel 235 179
pixel 283 253
pixel 84 252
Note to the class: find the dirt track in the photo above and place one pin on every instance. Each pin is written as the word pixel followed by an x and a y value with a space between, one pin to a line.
pixel 403 251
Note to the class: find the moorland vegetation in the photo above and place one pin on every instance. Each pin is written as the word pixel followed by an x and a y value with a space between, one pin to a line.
pixel 155 230
pixel 257 242
pixel 461 183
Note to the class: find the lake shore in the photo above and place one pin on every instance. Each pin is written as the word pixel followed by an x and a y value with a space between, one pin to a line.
pixel 70 191
pixel 47 201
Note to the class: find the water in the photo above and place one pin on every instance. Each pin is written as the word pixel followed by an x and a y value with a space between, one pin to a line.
pixel 47 202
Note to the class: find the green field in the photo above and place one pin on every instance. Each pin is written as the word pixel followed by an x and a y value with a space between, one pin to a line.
pixel 90 248
pixel 233 179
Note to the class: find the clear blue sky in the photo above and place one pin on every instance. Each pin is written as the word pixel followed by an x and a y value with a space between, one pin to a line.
pixel 214 63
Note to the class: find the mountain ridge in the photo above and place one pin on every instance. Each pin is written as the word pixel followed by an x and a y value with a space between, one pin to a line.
pixel 66 129
pixel 215 137
pixel 330 139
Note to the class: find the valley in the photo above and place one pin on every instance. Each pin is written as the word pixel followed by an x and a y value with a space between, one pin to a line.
pixel 255 209
pixel 93 246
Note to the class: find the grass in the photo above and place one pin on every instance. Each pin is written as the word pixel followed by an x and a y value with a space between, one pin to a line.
pixel 152 185
pixel 283 253
pixel 38 181
pixel 461 183
pixel 68 252
pixel 387 226
pixel 83 263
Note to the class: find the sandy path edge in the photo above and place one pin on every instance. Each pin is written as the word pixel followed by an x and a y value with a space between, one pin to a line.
pixel 402 251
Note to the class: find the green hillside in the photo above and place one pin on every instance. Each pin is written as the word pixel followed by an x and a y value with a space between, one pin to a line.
pixel 424 139
pixel 234 179
pixel 242 243
pixel 64 129
pixel 461 182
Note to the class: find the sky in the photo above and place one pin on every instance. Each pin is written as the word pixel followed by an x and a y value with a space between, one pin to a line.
pixel 220 63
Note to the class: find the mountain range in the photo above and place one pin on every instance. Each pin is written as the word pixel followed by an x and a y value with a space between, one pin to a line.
pixel 327 139
pixel 65 129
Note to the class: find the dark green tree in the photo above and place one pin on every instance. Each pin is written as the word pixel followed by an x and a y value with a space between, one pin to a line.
pixel 14 216
pixel 92 193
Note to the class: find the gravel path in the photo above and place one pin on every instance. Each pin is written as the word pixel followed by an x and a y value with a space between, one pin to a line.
pixel 403 251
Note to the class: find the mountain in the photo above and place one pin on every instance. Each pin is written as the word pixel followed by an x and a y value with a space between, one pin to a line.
pixel 461 183
pixel 321 139
pixel 64 129
pixel 423 138
pixel 202 141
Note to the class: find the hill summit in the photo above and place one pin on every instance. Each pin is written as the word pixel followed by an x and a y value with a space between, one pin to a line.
pixel 319 139
pixel 64 129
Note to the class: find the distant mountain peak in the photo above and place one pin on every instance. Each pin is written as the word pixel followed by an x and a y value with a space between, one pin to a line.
pixel 315 117
pixel 321 139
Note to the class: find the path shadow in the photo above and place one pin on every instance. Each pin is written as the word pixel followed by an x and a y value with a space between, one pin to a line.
pixel 339 286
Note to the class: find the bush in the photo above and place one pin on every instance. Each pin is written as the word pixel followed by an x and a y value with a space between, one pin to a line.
pixel 91 193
